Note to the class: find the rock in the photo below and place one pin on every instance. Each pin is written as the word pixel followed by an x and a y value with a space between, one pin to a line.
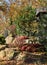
pixel 9 39
pixel 9 53
pixel 41 10
pixel 21 56
pixel 2 55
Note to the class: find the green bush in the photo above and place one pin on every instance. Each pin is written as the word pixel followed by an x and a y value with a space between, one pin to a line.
pixel 24 20
pixel 24 25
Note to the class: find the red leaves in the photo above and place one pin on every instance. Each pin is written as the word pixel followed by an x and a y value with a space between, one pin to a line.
pixel 19 41
pixel 30 47
pixel 22 37
pixel 23 48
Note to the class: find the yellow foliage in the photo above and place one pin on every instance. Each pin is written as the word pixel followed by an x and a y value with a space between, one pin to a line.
pixel 15 8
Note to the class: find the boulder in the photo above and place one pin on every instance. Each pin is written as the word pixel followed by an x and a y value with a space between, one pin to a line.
pixel 9 39
pixel 9 53
pixel 2 55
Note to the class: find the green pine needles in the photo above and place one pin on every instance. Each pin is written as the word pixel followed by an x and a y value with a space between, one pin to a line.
pixel 24 20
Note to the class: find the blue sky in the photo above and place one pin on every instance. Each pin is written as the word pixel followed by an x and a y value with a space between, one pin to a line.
pixel 7 1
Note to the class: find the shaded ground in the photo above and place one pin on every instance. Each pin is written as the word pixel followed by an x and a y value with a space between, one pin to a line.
pixel 33 60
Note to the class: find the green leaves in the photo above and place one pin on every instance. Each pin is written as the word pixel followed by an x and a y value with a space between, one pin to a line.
pixel 23 21
pixel 29 13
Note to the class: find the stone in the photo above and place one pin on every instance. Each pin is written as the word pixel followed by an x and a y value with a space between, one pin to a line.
pixel 2 54
pixel 21 56
pixel 9 39
pixel 9 53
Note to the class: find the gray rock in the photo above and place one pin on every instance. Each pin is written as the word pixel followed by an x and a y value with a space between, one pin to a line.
pixel 9 39
pixel 42 9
